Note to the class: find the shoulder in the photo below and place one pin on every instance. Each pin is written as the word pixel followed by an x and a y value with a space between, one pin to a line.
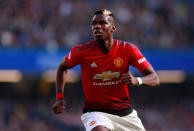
pixel 84 47
pixel 125 44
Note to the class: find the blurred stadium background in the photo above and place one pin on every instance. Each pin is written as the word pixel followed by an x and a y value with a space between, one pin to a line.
pixel 36 34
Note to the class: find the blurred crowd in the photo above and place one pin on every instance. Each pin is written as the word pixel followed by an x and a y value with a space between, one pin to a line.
pixel 28 116
pixel 167 108
pixel 35 116
pixel 55 24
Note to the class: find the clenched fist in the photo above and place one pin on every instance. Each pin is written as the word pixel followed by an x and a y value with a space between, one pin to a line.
pixel 129 79
pixel 59 106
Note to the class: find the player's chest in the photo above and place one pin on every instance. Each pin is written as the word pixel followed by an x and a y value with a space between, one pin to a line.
pixel 97 61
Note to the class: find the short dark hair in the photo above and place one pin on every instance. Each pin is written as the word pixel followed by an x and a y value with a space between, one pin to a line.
pixel 105 12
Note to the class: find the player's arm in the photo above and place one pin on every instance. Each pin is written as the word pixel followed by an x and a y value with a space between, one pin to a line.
pixel 59 105
pixel 69 61
pixel 61 76
pixel 150 78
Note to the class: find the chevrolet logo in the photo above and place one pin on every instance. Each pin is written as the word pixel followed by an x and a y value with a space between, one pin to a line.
pixel 107 75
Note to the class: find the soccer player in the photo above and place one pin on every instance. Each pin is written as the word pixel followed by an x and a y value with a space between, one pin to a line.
pixel 105 75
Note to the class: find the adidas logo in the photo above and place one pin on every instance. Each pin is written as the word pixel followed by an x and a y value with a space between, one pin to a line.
pixel 93 65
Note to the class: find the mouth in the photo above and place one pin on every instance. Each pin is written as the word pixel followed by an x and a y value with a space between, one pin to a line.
pixel 97 33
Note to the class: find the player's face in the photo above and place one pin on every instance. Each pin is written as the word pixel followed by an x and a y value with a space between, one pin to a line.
pixel 102 27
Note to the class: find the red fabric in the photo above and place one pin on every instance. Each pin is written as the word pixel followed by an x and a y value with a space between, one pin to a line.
pixel 59 96
pixel 101 73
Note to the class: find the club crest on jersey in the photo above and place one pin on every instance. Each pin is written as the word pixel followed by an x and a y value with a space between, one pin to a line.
pixel 107 75
pixel 92 123
pixel 118 62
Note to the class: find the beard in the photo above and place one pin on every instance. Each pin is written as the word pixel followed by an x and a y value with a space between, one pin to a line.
pixel 99 39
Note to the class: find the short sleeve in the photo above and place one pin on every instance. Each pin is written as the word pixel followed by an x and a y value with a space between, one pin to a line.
pixel 138 60
pixel 72 58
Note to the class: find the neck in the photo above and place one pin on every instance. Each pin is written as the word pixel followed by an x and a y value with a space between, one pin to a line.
pixel 105 45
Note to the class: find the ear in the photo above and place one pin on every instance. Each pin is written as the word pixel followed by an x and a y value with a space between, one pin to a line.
pixel 113 28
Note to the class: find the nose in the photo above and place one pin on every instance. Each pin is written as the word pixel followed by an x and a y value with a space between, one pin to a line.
pixel 97 26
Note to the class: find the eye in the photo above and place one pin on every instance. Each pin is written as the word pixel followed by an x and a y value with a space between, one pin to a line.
pixel 93 22
pixel 103 22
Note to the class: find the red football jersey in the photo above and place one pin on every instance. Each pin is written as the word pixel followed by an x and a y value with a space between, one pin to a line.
pixel 101 73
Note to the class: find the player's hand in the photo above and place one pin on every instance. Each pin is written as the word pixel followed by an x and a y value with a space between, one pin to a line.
pixel 59 106
pixel 129 79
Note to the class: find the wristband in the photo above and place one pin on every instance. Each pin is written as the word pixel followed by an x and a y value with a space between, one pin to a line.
pixel 140 82
pixel 59 96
